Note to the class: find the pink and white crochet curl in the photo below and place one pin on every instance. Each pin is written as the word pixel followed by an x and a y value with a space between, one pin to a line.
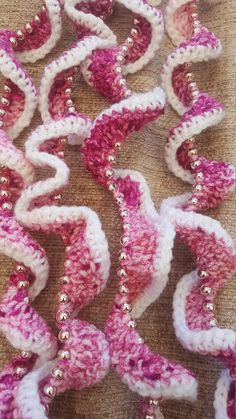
pixel 211 179
pixel 83 358
pixel 21 324
pixel 196 327
pixel 104 67
pixel 146 249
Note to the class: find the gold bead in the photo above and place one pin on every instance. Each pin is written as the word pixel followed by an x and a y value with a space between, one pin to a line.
pixel 23 285
pixel 63 355
pixel 20 35
pixel 29 28
pixel 57 373
pixel 49 391
pixel 63 335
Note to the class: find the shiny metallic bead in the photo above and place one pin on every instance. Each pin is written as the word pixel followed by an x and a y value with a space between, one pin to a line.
pixel 195 164
pixel 37 19
pixel 127 93
pixel 69 102
pixel 126 308
pixel 20 268
pixel 5 101
pixel 189 76
pixel 120 59
pixel 121 273
pixel 190 141
pixel 68 248
pixel 124 213
pixel 63 141
pixel 63 355
pixel 198 188
pixel 13 41
pixel 20 35
pixel 132 324
pixel 134 32
pixel 70 79
pixel 44 9
pixel 125 49
pixel 140 340
pixel 67 263
pixel 124 240
pixel 195 94
pixel 109 173
pixel 200 176
pixel 136 21
pixel 71 109
pixel 61 154
pixel 153 402
pixel 7 89
pixel 49 391
pixel 126 226
pixel 129 41
pixel 7 206
pixel 111 158
pixel 122 256
pixel 57 373
pixel 4 179
pixel 65 280
pixel 192 85
pixel 1 124
pixel 63 335
pixel 21 285
pixel 121 82
pixel 194 201
pixel 4 193
pixel 26 354
pixel 195 16
pixel 26 300
pixel 196 24
pixel 112 187
pixel 62 316
pixel 21 371
pixel 118 70
pixel 123 289
pixel 63 298
pixel 58 197
pixel 150 417
pixel 209 306
pixel 2 112
pixel 68 91
pixel 117 146
pixel 119 200
pixel 192 153
pixel 29 28
pixel 213 322
pixel 202 274
pixel 205 290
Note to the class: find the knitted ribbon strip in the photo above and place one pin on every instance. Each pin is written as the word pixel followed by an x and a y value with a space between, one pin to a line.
pixel 212 183
pixel 21 324
pixel 212 180
pixel 83 358
pixel 103 68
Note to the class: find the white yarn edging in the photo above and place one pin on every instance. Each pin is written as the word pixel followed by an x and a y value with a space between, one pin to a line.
pixel 18 76
pixel 54 12
pixel 221 395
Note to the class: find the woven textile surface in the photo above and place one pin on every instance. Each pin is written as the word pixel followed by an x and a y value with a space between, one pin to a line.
pixel 144 152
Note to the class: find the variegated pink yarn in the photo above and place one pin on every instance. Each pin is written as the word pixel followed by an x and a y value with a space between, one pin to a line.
pixel 195 324
pixel 20 323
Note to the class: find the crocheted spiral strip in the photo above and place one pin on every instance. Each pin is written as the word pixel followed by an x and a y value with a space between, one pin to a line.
pixel 20 323
pixel 103 69
pixel 195 324
pixel 83 358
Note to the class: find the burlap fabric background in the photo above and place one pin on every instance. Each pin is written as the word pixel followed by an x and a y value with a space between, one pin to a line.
pixel 111 399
